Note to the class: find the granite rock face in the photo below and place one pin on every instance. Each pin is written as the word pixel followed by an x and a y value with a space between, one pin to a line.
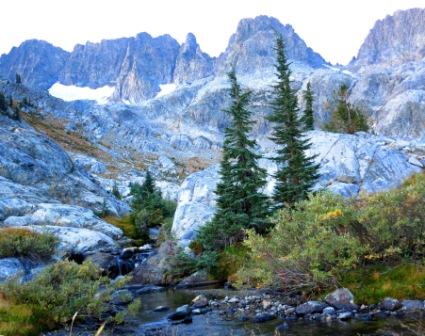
pixel 37 62
pixel 191 62
pixel 350 164
pixel 396 39
pixel 42 189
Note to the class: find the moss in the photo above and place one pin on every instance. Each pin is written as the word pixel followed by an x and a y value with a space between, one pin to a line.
pixel 370 284
pixel 21 242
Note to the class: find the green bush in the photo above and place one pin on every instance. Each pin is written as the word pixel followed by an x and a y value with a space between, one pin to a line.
pixel 319 241
pixel 346 118
pixel 21 242
pixel 149 209
pixel 395 220
pixel 307 248
pixel 57 293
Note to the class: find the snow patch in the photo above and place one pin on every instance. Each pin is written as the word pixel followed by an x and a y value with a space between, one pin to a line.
pixel 72 92
pixel 166 89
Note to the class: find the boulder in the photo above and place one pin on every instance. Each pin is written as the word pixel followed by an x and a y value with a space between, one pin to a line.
pixel 341 298
pixel 200 301
pixel 329 311
pixel 9 268
pixel 411 305
pixel 154 269
pixel 263 317
pixel 390 304
pixel 310 307
pixel 197 279
pixel 345 316
pixel 76 240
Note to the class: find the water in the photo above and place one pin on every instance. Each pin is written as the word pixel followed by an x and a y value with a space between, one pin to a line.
pixel 150 323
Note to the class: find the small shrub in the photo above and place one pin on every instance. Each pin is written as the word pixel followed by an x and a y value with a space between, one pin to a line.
pixel 165 231
pixel 346 118
pixel 395 220
pixel 21 242
pixel 149 210
pixel 115 191
pixel 58 292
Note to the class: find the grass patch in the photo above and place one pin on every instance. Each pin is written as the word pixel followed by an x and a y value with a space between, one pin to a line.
pixel 21 242
pixel 126 224
pixel 373 283
pixel 16 319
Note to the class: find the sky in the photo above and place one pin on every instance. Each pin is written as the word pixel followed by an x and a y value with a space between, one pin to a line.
pixel 333 28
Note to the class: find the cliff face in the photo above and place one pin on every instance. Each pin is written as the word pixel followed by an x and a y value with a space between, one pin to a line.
pixel 397 39
pixel 191 62
pixel 39 63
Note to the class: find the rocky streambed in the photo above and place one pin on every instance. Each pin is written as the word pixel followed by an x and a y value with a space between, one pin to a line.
pixel 221 312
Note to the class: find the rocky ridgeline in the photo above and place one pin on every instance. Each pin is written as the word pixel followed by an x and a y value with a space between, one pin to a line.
pixel 385 79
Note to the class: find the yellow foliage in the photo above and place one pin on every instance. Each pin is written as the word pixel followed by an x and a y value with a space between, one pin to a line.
pixel 332 215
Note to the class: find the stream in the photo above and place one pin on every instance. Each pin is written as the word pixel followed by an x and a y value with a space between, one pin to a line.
pixel 151 323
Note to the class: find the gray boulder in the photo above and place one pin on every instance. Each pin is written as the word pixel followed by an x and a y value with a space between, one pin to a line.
pixel 410 305
pixel 310 307
pixel 341 298
pixel 9 268
pixel 390 304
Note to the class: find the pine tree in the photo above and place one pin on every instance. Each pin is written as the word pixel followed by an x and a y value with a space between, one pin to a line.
pixel 346 118
pixel 148 186
pixel 3 102
pixel 296 172
pixel 308 117
pixel 241 203
pixel 115 190
pixel 18 79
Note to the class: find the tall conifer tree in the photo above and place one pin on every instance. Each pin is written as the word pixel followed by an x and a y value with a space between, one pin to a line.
pixel 241 203
pixel 296 172
pixel 308 117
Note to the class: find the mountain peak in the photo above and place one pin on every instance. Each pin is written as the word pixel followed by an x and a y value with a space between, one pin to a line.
pixel 396 39
pixel 191 62
pixel 190 39
pixel 252 46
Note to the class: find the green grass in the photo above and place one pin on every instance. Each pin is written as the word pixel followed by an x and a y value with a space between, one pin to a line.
pixel 16 319
pixel 127 226
pixel 371 284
